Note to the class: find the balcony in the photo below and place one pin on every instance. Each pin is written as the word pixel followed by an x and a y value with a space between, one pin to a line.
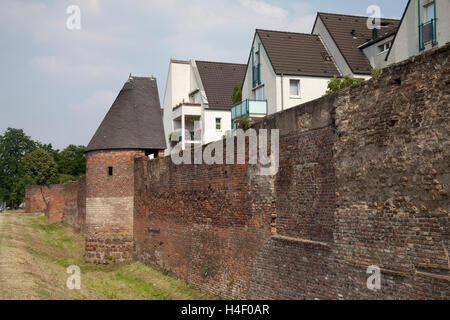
pixel 249 108
pixel 191 126
pixel 427 34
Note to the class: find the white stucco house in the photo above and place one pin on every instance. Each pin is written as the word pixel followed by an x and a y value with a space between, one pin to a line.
pixel 355 48
pixel 425 24
pixel 284 69
pixel 197 101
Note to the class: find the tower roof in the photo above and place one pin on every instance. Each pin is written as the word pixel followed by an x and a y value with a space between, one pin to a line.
pixel 134 120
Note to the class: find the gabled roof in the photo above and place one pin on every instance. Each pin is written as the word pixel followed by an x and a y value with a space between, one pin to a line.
pixel 399 25
pixel 134 121
pixel 299 54
pixel 341 27
pixel 219 79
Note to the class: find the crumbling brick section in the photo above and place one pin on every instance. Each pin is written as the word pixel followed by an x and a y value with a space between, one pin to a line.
pixel 35 200
pixel 109 205
pixel 60 203
pixel 54 211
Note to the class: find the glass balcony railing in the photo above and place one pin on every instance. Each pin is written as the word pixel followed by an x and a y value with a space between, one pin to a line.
pixel 427 33
pixel 248 107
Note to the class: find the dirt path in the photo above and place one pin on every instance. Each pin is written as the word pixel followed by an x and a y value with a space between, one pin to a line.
pixel 34 257
pixel 16 281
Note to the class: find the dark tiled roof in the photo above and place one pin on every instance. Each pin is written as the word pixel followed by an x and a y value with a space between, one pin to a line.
pixel 340 28
pixel 134 121
pixel 296 53
pixel 219 79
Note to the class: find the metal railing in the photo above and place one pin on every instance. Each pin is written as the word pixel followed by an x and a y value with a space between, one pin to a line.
pixel 427 33
pixel 249 107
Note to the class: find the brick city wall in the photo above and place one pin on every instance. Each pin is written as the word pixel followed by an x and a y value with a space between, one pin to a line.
pixel 109 205
pixel 60 203
pixel 363 180
pixel 35 198
pixel 200 222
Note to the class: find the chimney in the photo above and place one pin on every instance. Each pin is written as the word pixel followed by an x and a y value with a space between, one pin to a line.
pixel 374 33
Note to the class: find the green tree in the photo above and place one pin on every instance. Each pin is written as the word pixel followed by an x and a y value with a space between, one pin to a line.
pixel 72 161
pixel 236 95
pixel 336 84
pixel 39 167
pixel 14 144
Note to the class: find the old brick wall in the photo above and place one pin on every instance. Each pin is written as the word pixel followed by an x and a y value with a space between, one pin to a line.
pixel 363 181
pixel 392 176
pixel 81 205
pixel 54 210
pixel 200 222
pixel 35 198
pixel 60 203
pixel 70 206
pixel 109 205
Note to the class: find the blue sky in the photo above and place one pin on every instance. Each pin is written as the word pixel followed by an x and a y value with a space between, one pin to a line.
pixel 57 84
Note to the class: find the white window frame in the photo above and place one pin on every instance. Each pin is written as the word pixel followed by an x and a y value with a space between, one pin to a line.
pixel 259 90
pixel 298 88
pixel 385 46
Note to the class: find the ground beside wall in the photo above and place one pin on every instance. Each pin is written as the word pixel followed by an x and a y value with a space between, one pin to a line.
pixel 363 181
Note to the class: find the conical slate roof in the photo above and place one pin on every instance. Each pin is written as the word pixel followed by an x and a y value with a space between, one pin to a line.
pixel 134 121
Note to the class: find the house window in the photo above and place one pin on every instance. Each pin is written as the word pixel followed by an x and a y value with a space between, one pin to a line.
pixel 427 23
pixel 110 171
pixel 218 123
pixel 256 66
pixel 429 11
pixel 384 47
pixel 294 87
pixel 259 94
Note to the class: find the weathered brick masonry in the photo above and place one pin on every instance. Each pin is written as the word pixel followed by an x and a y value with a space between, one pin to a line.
pixel 65 202
pixel 35 198
pixel 109 205
pixel 363 181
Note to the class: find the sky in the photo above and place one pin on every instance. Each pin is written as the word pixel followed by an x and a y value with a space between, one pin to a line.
pixel 57 84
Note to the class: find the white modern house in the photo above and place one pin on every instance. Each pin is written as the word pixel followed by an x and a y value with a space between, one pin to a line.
pixel 284 69
pixel 425 24
pixel 355 48
pixel 197 101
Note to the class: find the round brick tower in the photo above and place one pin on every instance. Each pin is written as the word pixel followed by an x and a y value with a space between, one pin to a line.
pixel 132 127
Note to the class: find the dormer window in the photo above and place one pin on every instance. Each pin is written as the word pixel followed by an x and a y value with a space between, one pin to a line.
pixel 326 56
pixel 384 47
